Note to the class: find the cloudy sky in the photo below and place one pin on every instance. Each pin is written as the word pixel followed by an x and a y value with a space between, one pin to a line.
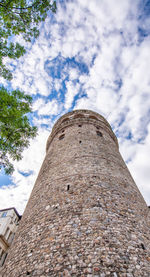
pixel 90 55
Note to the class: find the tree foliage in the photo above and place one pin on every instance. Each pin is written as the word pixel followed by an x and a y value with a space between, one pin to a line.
pixel 19 17
pixel 15 128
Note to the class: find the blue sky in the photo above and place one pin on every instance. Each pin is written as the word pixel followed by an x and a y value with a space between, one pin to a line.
pixel 92 55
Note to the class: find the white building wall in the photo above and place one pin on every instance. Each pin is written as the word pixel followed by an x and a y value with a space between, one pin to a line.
pixel 8 221
pixel 8 226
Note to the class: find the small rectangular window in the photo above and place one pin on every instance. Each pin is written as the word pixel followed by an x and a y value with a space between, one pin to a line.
pixel 4 214
pixel 7 233
pixel 1 254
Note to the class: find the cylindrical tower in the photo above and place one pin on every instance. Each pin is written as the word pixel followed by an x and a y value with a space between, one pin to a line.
pixel 85 216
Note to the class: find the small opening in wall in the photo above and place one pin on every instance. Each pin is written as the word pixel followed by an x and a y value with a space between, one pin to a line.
pixel 65 119
pixel 4 258
pixel 61 137
pixel 93 117
pixel 97 127
pixel 80 141
pixel 79 125
pixel 68 187
pixel 63 131
pixel 28 273
pixel 78 115
pixel 143 246
pixel 99 133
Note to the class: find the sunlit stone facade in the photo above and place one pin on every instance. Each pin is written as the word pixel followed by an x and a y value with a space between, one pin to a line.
pixel 85 216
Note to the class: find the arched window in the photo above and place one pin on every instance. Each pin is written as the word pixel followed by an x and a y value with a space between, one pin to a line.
pixel 93 117
pixel 78 115
pixel 65 120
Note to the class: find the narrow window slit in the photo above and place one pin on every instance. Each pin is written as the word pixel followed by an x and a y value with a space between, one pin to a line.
pixel 143 247
pixel 61 137
pixel 68 187
pixel 99 133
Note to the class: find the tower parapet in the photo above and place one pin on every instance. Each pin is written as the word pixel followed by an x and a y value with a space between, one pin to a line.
pixel 81 117
pixel 85 216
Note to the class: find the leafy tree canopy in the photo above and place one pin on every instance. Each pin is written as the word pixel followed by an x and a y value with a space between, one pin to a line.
pixel 15 129
pixel 19 17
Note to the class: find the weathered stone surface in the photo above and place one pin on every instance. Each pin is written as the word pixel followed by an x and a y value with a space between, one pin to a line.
pixel 85 216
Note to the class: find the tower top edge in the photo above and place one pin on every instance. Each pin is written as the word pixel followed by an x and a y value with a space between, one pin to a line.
pixel 72 117
pixel 80 111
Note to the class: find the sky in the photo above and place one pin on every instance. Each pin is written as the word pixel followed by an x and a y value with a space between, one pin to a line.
pixel 89 55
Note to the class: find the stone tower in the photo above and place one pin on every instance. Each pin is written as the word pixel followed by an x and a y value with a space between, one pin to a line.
pixel 85 216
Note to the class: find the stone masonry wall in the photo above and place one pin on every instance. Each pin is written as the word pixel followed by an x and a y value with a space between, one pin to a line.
pixel 85 216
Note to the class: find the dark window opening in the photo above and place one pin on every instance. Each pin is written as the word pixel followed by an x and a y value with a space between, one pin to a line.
pixel 2 253
pixel 28 273
pixel 65 119
pixel 80 141
pixel 63 131
pixel 97 127
pixel 78 115
pixel 61 137
pixel 99 133
pixel 79 125
pixel 143 247
pixel 93 117
pixel 68 187
pixel 4 258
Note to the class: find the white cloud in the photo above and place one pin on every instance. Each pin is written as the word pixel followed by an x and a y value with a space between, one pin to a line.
pixel 73 74
pixel 57 84
pixel 46 108
pixel 18 195
pixel 139 160
pixel 37 104
pixel 104 36
pixel 72 91
pixel 38 121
